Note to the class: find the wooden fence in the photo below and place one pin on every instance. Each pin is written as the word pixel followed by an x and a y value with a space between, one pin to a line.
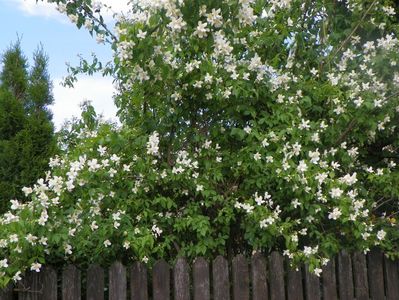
pixel 347 276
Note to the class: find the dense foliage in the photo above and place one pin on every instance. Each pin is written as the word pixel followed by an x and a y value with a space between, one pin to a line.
pixel 247 126
pixel 26 132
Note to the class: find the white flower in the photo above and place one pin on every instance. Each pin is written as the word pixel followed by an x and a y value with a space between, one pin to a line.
pixel 4 263
pixel 153 144
pixel 107 243
pixel 381 235
pixel 302 167
pixel 336 192
pixel 35 267
pixel 314 156
pixel 27 191
pixel 320 177
pixel 201 31
pixel 199 188
pixel 335 214
pixel 317 271
pixel 247 129
pixel 68 249
pixel 126 245
pixel 74 18
pixel 141 34
pixel 257 156
pixel 17 276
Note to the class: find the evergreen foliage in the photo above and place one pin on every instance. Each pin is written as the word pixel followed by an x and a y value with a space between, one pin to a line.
pixel 26 130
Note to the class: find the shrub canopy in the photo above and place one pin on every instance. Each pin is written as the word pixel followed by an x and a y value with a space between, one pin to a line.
pixel 246 126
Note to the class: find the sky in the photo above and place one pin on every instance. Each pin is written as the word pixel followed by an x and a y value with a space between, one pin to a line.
pixel 41 23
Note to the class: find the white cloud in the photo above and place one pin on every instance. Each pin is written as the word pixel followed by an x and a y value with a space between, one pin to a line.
pixel 97 89
pixel 48 10
pixel 42 9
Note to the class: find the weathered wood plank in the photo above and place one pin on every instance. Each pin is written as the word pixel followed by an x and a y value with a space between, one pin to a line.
pixel 49 281
pixel 376 275
pixel 360 276
pixel 240 278
pixel 71 284
pixel 391 279
pixel 345 281
pixel 181 278
pixel 259 277
pixel 117 281
pixel 277 291
pixel 201 279
pixel 95 283
pixel 220 272
pixel 30 287
pixel 7 293
pixel 312 285
pixel 294 284
pixel 138 282
pixel 161 281
pixel 329 281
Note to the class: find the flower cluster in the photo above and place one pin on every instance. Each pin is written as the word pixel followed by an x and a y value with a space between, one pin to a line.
pixel 253 125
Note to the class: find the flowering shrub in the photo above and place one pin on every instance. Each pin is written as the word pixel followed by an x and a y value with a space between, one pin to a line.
pixel 247 125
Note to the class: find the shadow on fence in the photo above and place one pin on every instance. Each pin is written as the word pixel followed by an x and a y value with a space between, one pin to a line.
pixel 356 276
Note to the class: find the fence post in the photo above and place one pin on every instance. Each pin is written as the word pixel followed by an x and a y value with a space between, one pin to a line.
pixel 201 279
pixel 277 291
pixel 138 282
pixel 329 281
pixel 294 284
pixel 259 277
pixel 221 283
pixel 181 279
pixel 345 281
pixel 392 279
pixel 376 275
pixel 312 285
pixel 117 281
pixel 38 285
pixel 240 278
pixel 71 285
pixel 161 281
pixel 6 293
pixel 95 283
pixel 360 276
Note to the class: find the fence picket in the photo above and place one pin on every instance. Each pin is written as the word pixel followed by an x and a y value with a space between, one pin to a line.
pixel 7 293
pixel 71 286
pixel 277 291
pixel 294 284
pixel 221 284
pixel 95 283
pixel 30 287
pixel 201 279
pixel 392 279
pixel 240 278
pixel 138 282
pixel 376 275
pixel 312 285
pixel 345 282
pixel 329 281
pixel 117 281
pixel 259 277
pixel 161 281
pixel 181 278
pixel 360 276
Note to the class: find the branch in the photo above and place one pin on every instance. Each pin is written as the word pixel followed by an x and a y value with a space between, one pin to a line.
pixel 353 31
pixel 349 128
pixel 102 24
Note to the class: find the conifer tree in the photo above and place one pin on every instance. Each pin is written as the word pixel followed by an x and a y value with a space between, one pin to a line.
pixel 26 130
